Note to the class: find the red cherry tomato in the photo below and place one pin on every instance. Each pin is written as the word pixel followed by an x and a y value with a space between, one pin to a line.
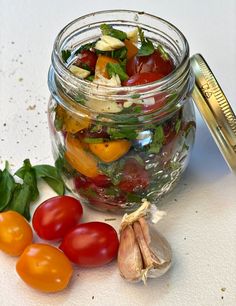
pixel 91 244
pixel 151 63
pixel 135 177
pixel 88 58
pixel 143 78
pixel 101 180
pixel 56 216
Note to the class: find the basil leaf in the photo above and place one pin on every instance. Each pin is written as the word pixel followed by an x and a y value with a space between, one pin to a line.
pixel 65 54
pixel 112 68
pixel 157 140
pixel 7 186
pixel 177 126
pixel 51 176
pixel 90 78
pixel 110 31
pixel 21 200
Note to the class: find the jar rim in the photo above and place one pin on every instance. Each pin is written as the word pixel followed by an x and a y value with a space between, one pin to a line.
pixel 180 72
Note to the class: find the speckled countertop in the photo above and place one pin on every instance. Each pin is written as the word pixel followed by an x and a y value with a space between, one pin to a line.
pixel 200 222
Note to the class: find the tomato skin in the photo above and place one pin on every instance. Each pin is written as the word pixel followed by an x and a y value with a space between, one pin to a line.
pixel 101 180
pixel 150 63
pixel 88 58
pixel 44 267
pixel 135 177
pixel 15 233
pixel 91 244
pixel 56 216
pixel 143 78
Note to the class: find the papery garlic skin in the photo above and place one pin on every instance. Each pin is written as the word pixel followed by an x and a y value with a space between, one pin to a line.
pixel 129 257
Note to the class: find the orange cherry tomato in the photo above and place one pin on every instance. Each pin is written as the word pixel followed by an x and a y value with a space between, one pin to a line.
pixel 111 150
pixel 100 68
pixel 44 267
pixel 79 158
pixel 132 50
pixel 15 233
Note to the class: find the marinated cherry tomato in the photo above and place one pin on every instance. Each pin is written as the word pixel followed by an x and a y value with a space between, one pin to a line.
pixel 151 63
pixel 91 244
pixel 135 177
pixel 83 161
pixel 110 150
pixel 101 65
pixel 56 216
pixel 101 180
pixel 15 233
pixel 44 267
pixel 87 59
pixel 132 50
pixel 143 78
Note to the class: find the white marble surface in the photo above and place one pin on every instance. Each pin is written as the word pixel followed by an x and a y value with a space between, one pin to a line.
pixel 200 222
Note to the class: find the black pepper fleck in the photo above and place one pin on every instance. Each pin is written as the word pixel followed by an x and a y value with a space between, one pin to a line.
pixel 4 124
pixel 93 297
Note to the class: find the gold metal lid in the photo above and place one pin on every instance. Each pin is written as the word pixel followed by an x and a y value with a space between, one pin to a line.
pixel 215 109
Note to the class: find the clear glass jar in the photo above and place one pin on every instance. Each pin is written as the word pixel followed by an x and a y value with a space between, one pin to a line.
pixel 149 150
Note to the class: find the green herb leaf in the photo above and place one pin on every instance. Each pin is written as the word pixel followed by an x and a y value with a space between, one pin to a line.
pixel 122 132
pixel 163 53
pixel 87 46
pixel 147 47
pixel 133 197
pixel 157 140
pixel 113 170
pixel 112 69
pixel 7 186
pixel 51 176
pixel 93 140
pixel 90 78
pixel 58 123
pixel 21 200
pixel 65 54
pixel 177 126
pixel 120 54
pixel 110 31
pixel 80 98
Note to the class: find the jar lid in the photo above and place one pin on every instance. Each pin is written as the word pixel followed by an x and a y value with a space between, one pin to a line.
pixel 215 109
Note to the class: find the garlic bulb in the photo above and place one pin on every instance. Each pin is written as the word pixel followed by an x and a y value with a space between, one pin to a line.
pixel 143 252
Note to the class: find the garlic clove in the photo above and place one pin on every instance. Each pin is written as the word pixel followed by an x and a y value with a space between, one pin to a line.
pixel 129 257
pixel 155 251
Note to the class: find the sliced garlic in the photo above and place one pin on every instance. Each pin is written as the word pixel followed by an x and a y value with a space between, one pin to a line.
pixel 79 72
pixel 133 35
pixel 108 43
pixel 129 256
pixel 104 106
pixel 114 81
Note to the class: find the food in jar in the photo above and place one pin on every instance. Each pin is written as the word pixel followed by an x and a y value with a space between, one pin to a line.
pixel 113 164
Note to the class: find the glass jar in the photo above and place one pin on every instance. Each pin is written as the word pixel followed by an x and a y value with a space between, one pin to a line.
pixel 110 156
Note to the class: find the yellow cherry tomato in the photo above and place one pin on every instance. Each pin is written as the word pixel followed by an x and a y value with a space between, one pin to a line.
pixel 44 267
pixel 80 159
pixel 132 50
pixel 15 233
pixel 100 68
pixel 111 150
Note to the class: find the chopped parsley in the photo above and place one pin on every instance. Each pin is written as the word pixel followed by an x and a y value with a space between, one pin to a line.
pixel 115 68
pixel 65 54
pixel 158 139
pixel 110 31
pixel 147 47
